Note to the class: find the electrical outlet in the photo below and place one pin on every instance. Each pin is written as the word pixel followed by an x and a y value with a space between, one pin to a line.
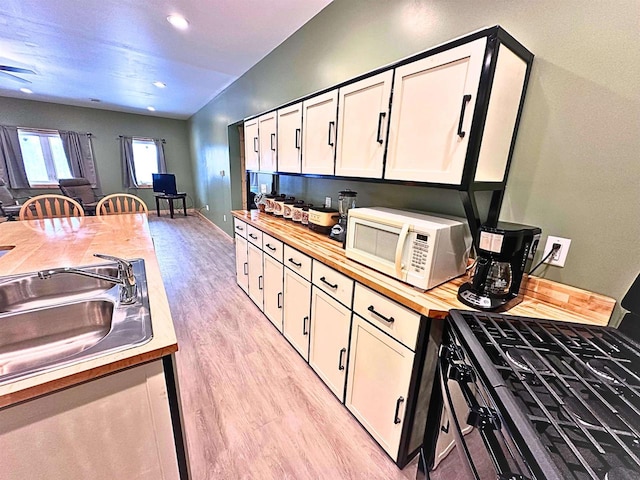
pixel 206 207
pixel 327 202
pixel 263 188
pixel 222 173
pixel 224 218
pixel 559 258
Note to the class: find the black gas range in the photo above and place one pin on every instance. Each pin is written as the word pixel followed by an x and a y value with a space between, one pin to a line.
pixel 524 398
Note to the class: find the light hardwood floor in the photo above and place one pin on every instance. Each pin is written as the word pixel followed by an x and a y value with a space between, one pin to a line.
pixel 252 407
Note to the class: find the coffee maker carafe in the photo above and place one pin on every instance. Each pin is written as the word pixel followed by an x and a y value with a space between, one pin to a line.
pixel 503 259
pixel 346 201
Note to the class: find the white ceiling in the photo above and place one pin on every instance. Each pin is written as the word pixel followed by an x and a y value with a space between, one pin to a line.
pixel 112 50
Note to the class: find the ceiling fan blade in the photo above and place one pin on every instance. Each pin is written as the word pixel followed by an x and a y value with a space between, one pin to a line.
pixel 14 77
pixel 9 68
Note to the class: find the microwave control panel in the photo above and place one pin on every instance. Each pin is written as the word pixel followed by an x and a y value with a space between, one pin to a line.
pixel 419 253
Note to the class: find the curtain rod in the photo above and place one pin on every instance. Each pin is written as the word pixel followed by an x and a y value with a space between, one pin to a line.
pixel 46 130
pixel 146 138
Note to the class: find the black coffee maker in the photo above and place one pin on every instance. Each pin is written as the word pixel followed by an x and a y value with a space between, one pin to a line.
pixel 503 258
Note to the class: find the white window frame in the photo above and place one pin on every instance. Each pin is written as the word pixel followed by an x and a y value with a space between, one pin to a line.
pixel 52 174
pixel 156 169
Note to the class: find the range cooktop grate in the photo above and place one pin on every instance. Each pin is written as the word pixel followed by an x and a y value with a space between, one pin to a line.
pixel 579 385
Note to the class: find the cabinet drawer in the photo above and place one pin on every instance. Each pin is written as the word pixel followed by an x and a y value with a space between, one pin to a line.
pixel 298 262
pixel 272 246
pixel 389 316
pixel 254 236
pixel 240 227
pixel 336 284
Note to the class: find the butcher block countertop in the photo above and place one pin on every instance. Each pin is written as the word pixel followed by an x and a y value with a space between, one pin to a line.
pixel 543 299
pixel 63 242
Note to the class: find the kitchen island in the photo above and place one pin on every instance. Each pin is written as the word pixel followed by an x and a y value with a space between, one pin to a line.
pixel 127 400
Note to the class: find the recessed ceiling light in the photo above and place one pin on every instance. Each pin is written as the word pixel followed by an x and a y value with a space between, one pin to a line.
pixel 178 21
pixel 160 84
pixel 151 109
pixel 26 90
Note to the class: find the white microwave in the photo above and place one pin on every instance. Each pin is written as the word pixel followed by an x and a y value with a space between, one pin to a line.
pixel 423 250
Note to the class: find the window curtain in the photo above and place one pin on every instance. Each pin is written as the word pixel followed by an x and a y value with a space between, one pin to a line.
pixel 129 179
pixel 162 164
pixel 77 147
pixel 128 165
pixel 12 169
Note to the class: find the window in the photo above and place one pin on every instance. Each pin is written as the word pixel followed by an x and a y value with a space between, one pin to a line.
pixel 43 155
pixel 145 159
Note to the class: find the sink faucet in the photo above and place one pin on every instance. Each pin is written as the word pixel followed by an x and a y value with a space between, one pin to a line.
pixel 126 278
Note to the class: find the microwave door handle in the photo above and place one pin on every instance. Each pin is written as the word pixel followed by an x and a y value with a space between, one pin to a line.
pixel 400 249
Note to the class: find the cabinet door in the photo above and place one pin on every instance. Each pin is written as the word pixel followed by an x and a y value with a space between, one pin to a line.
pixel 362 126
pixel 273 294
pixel 378 383
pixel 267 135
pixel 251 149
pixel 297 298
pixel 254 259
pixel 114 427
pixel 330 322
pixel 319 133
pixel 431 115
pixel 289 138
pixel 242 266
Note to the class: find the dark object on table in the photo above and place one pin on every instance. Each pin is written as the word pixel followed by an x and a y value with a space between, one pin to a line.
pixel 81 191
pixel 170 198
pixel 164 183
pixel 532 399
pixel 503 259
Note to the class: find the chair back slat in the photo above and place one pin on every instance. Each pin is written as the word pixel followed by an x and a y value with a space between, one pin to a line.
pixel 121 203
pixel 50 206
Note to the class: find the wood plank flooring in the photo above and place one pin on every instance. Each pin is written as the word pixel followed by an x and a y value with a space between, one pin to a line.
pixel 252 407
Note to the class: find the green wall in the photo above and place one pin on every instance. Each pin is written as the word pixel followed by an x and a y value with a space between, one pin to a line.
pixel 575 170
pixel 105 127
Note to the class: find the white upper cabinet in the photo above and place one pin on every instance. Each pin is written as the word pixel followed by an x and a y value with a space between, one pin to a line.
pixel 363 117
pixel 290 138
pixel 251 147
pixel 319 133
pixel 431 115
pixel 267 136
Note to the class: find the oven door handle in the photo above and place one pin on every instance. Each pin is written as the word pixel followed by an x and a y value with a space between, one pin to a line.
pixel 484 418
pixel 402 238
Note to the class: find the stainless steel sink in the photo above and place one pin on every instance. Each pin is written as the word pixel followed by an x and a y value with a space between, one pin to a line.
pixel 66 319
pixel 31 292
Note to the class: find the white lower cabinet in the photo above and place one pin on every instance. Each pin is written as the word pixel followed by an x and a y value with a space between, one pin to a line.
pixel 273 291
pixel 359 342
pixel 242 266
pixel 117 426
pixel 378 383
pixel 297 299
pixel 330 324
pixel 256 277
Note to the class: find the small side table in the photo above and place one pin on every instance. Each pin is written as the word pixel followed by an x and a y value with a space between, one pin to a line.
pixel 171 198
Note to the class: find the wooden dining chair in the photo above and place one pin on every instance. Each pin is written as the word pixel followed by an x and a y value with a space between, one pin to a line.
pixel 118 203
pixel 50 206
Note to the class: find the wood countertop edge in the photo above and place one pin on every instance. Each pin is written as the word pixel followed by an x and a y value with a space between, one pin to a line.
pixel 430 304
pixel 77 246
pixel 82 376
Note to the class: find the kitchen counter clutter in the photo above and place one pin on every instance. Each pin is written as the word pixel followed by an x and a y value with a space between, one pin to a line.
pixel 371 339
pixel 544 298
pixel 121 405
